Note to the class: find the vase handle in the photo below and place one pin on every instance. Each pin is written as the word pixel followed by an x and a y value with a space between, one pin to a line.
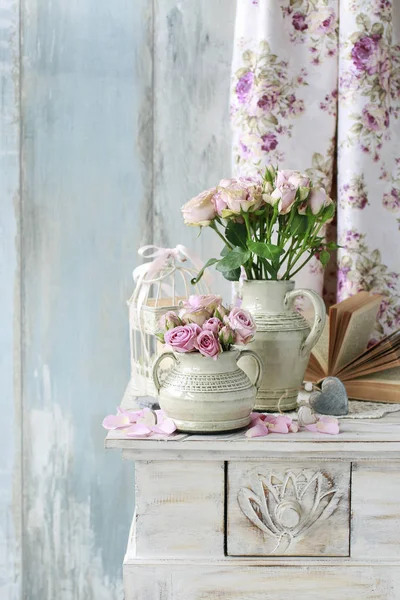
pixel 319 317
pixel 258 362
pixel 156 379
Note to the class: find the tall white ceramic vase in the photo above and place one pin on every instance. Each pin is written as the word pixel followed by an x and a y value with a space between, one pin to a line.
pixel 283 340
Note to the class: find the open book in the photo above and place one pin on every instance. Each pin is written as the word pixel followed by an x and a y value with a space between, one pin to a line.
pixel 367 374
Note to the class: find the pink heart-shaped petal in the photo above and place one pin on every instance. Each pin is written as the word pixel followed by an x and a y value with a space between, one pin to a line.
pixel 116 422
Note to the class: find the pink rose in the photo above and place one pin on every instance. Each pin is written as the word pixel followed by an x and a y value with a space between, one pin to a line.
pixel 238 195
pixel 318 199
pixel 227 337
pixel 196 302
pixel 214 324
pixel 282 176
pixel 197 309
pixel 182 338
pixel 374 117
pixel 170 320
pixel 219 203
pixel 242 324
pixel 286 194
pixel 200 210
pixel 220 312
pixel 207 344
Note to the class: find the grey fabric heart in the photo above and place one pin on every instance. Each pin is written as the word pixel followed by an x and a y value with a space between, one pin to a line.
pixel 332 399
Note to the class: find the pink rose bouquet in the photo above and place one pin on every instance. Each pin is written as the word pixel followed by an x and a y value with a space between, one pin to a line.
pixel 271 227
pixel 204 325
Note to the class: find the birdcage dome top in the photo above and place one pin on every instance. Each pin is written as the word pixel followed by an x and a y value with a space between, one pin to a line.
pixel 164 282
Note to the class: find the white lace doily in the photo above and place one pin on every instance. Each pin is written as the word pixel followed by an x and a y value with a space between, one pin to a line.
pixel 359 409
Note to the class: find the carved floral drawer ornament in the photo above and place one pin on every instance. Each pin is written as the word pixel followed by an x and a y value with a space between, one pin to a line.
pixel 287 507
pixel 281 511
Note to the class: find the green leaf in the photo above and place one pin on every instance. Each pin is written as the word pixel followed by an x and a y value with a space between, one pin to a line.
pixel 268 251
pixel 299 224
pixel 332 246
pixel 324 257
pixel 317 161
pixel 236 234
pixel 200 274
pixel 329 212
pixel 249 58
pixel 269 268
pixel 356 128
pixel 363 21
pixel 225 250
pixel 377 29
pixel 233 260
pixel 232 275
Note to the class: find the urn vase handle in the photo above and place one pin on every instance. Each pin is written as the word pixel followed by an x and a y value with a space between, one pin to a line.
pixel 156 365
pixel 259 374
pixel 319 317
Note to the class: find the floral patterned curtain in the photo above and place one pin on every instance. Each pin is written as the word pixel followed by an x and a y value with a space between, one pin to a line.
pixel 316 87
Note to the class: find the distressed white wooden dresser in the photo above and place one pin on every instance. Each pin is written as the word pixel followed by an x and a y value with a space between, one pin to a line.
pixel 305 516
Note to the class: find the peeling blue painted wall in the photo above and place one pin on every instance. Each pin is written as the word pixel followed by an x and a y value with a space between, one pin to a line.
pixel 110 121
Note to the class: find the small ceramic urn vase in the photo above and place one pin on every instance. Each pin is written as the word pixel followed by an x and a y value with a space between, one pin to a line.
pixel 204 395
pixel 283 340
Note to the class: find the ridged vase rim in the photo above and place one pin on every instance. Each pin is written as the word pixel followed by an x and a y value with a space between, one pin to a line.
pixel 269 281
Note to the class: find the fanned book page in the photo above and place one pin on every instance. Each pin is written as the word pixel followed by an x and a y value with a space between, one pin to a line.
pixel 355 319
pixel 367 373
pixel 376 387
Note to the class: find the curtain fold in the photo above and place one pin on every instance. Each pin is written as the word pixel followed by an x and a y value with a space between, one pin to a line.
pixel 315 87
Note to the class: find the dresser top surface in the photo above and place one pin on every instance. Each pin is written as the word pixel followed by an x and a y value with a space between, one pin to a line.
pixel 364 436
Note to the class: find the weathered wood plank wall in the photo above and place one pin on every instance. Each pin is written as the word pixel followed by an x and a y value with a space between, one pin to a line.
pixel 10 455
pixel 124 116
pixel 192 56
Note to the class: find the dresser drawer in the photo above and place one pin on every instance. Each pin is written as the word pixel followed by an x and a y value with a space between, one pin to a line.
pixel 275 509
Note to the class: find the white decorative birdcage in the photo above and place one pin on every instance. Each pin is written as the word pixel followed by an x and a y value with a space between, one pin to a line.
pixel 161 285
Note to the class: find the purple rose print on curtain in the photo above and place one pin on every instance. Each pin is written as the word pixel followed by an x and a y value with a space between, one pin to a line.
pixel 279 77
pixel 368 144
pixel 301 68
pixel 244 86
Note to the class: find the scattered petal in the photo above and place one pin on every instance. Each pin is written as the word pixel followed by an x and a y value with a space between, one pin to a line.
pixel 137 430
pixel 258 430
pixel 328 425
pixel 132 415
pixel 166 427
pixel 148 417
pixel 325 424
pixel 278 427
pixel 293 428
pixel 160 415
pixel 116 422
pixel 278 424
pixel 254 417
